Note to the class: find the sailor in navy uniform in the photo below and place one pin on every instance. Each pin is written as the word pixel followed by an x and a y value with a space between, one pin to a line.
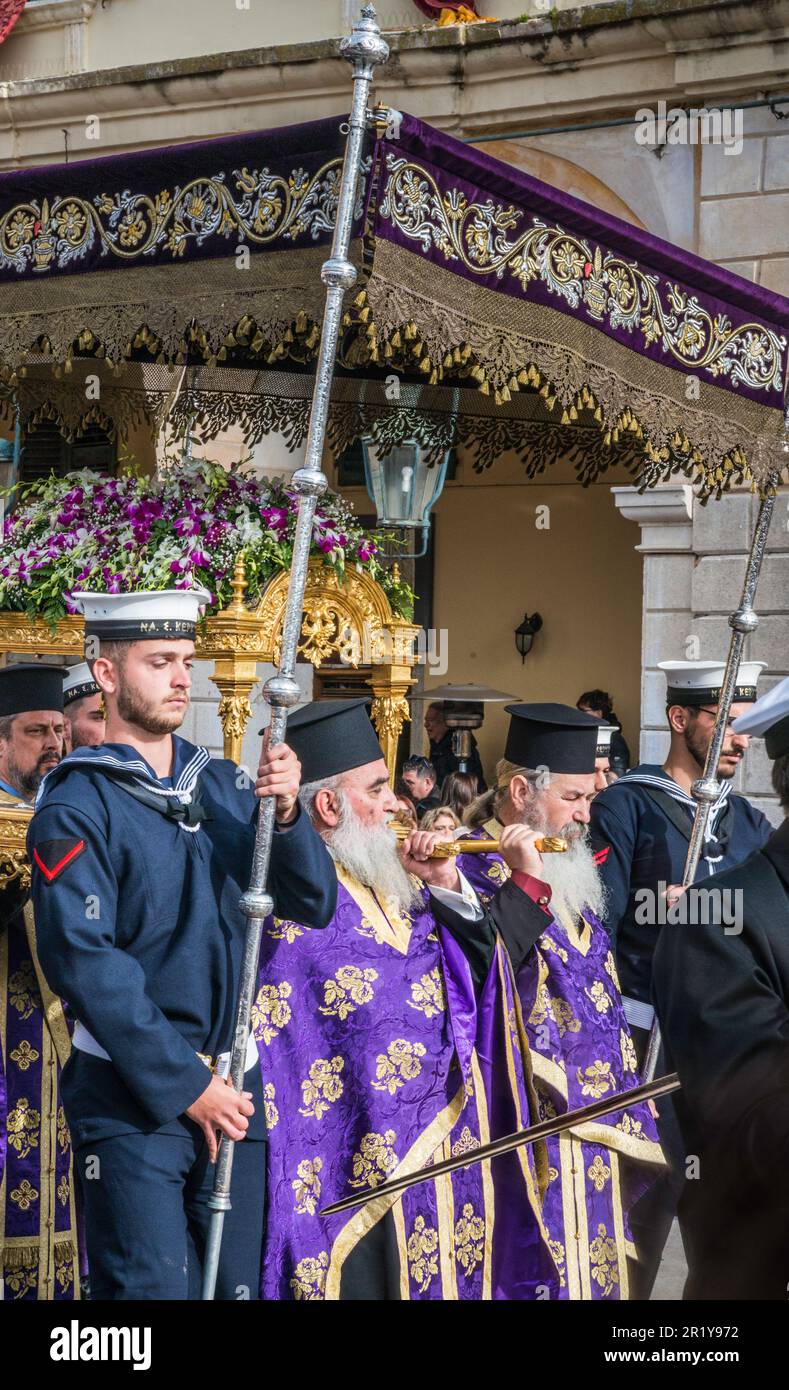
pixel 604 773
pixel 722 992
pixel 83 707
pixel 641 829
pixel 140 850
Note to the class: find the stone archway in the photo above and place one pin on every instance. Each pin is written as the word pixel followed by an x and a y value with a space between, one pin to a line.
pixel 561 173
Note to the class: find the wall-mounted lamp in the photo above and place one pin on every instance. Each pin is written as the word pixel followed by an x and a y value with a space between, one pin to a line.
pixel 525 634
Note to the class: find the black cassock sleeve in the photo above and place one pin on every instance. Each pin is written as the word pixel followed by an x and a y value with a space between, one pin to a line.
pixel 721 996
pixel 476 939
pixel 519 921
pixel 511 914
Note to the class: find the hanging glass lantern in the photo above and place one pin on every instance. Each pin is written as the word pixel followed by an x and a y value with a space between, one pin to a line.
pixel 403 486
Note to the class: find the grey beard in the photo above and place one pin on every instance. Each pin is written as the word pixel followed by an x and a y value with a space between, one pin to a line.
pixel 27 783
pixel 574 878
pixel 369 854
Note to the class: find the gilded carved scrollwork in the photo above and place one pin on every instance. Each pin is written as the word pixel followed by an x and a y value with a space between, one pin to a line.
pixel 235 711
pixel 14 865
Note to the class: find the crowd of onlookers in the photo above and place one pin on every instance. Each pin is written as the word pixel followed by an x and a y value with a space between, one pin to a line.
pixel 434 795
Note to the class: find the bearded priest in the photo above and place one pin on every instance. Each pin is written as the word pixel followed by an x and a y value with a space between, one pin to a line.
pixel 569 993
pixel 38 1215
pixel 391 1044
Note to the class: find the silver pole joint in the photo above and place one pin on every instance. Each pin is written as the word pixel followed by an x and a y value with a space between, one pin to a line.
pixel 219 1201
pixel 744 620
pixel 705 789
pixel 309 482
pixel 256 905
pixel 339 273
pixel 282 691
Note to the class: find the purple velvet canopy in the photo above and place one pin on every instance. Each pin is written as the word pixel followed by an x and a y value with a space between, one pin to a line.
pixel 514 315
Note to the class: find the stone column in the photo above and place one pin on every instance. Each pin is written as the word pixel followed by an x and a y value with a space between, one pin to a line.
pixel 665 515
pixel 694 564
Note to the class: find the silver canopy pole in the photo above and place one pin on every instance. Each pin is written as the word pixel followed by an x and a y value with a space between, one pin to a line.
pixel 706 790
pixel 365 49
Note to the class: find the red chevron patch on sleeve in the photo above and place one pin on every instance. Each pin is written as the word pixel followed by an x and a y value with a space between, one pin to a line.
pixel 53 856
pixel 602 854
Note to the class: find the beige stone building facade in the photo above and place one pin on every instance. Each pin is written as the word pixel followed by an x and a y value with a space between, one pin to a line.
pixel 621 581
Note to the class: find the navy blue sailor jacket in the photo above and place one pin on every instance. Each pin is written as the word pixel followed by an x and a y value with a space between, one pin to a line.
pixel 139 927
pixel 640 831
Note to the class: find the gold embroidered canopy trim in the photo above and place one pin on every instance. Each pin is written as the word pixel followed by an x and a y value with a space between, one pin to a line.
pixel 510 325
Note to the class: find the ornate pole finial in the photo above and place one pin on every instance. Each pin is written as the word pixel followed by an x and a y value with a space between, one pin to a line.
pixel 364 46
pixel 396 572
pixel 239 584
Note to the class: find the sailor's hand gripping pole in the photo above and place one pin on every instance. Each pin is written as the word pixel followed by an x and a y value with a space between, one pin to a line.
pixel 706 790
pixel 365 49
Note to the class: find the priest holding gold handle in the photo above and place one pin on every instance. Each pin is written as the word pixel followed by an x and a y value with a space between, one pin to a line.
pixel 568 993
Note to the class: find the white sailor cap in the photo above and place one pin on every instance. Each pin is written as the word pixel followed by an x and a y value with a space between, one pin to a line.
pixel 700 682
pixel 769 719
pixel 605 732
pixel 79 683
pixel 142 617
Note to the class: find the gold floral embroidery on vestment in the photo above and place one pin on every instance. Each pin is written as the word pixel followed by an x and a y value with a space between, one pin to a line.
pixel 63 1190
pixel 628 1050
pixel 64 1266
pixel 350 987
pixel 309 1277
pixel 553 1174
pixel 23 1127
pixel 497 873
pixel 23 992
pixel 285 930
pixel 422 1252
pixel 630 1126
pixel 323 1086
pixel 21 1275
pixel 400 1063
pixel 545 1106
pixel 374 1160
pixel 24 1055
pixel 599 996
pixel 427 994
pixel 465 1143
pixel 271 1012
pixel 604 1261
pixel 558 1009
pixel 609 965
pixel 272 1113
pixel 596 1079
pixel 24 1195
pixel 559 1257
pixel 307 1186
pixel 367 928
pixel 598 1172
pixel 64 1135
pixel 469 1238
pixel 547 943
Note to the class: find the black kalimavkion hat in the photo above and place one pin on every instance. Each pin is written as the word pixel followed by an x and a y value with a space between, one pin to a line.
pixel 30 686
pixel 331 736
pixel 558 737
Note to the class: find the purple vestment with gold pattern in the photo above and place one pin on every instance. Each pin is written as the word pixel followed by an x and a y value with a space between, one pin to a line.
pixel 38 1220
pixel 377 1059
pixel 581 1051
